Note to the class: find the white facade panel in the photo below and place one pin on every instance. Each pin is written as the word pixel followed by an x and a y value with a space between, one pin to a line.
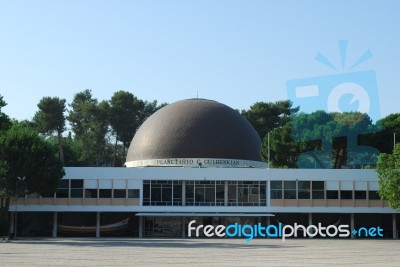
pixel 346 185
pixel 119 184
pixel 332 185
pixel 90 184
pixel 105 184
pixel 360 185
pixel 373 186
pixel 134 184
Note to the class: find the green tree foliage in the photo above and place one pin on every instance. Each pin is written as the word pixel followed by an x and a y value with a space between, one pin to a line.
pixel 384 138
pixel 388 169
pixel 25 154
pixel 71 149
pixel 333 134
pixel 89 121
pixel 267 116
pixel 79 116
pixel 100 128
pixel 125 110
pixel 127 113
pixel 5 122
pixel 323 137
pixel 283 149
pixel 50 119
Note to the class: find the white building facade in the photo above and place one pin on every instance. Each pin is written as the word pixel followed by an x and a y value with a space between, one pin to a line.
pixel 199 159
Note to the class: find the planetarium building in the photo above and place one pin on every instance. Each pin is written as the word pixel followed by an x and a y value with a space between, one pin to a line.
pixel 199 160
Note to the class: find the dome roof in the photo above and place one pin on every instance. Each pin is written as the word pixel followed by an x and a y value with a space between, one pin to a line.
pixel 195 129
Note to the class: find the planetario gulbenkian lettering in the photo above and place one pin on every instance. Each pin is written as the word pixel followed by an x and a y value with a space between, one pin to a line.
pixel 198 159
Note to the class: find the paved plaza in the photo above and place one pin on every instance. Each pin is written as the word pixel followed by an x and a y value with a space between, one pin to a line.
pixel 199 252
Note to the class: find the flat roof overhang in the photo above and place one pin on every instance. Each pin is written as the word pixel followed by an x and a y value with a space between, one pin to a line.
pixel 203 214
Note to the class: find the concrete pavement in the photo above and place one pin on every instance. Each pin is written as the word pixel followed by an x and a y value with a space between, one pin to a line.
pixel 199 252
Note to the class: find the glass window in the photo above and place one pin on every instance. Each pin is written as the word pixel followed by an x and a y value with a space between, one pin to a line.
pixel 360 194
pixel 346 194
pixel 290 185
pixel 105 193
pixel 119 193
pixel 289 194
pixel 155 193
pixel 318 194
pixel 76 193
pixel 290 189
pixel 133 193
pixel 243 194
pixel 254 194
pixel 373 195
pixel 276 194
pixel 262 193
pixel 318 185
pixel 210 194
pixel 304 185
pixel 90 193
pixel 146 191
pixel 177 193
pixel 318 188
pixel 304 194
pixel 332 194
pixel 62 193
pixel 304 189
pixel 276 190
pixel 220 193
pixel 232 197
pixel 205 193
pixel 77 183
pixel 276 185
pixel 162 193
pixel 189 194
pixel 167 193
pixel 189 191
pixel 199 197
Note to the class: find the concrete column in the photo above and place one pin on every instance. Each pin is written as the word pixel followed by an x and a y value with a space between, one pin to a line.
pixel 141 226
pixel 268 220
pixel 97 224
pixel 55 224
pixel 310 220
pixel 226 193
pixel 352 225
pixel 183 193
pixel 15 224
pixel 183 226
pixel 268 192
pixel 12 214
pixel 394 226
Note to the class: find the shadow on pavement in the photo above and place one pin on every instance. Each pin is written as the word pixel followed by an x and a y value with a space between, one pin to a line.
pixel 153 243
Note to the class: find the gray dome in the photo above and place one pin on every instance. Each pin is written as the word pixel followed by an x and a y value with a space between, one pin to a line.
pixel 195 128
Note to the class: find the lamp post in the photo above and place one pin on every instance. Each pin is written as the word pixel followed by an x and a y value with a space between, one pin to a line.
pixel 269 152
pixel 19 179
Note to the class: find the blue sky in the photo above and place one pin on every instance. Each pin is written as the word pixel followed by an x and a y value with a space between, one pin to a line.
pixel 235 52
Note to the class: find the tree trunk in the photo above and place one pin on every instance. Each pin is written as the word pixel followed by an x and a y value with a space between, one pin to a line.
pixel 60 148
pixel 115 150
